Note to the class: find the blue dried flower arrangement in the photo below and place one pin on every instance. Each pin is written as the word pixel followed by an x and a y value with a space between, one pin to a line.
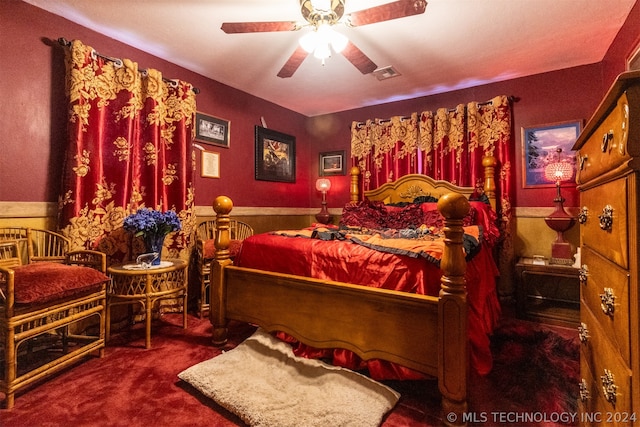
pixel 153 226
pixel 148 221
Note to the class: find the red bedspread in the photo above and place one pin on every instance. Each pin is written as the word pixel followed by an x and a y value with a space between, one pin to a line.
pixel 349 262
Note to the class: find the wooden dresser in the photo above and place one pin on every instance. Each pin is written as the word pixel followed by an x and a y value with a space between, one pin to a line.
pixel 608 179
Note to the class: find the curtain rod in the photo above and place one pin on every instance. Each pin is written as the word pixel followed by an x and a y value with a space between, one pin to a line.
pixel 510 98
pixel 118 62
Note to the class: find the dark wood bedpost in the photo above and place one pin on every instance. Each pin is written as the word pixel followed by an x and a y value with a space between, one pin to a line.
pixel 354 191
pixel 453 361
pixel 222 205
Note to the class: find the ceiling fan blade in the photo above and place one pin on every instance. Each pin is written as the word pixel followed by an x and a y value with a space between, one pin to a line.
pixel 358 59
pixel 258 27
pixel 386 12
pixel 293 63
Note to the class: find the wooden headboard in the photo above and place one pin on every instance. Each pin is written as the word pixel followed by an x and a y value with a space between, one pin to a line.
pixel 408 187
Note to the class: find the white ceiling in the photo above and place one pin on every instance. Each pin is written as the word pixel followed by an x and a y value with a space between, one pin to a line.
pixel 455 44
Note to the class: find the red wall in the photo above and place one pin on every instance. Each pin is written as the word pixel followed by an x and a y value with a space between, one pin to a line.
pixel 33 122
pixel 33 113
pixel 570 94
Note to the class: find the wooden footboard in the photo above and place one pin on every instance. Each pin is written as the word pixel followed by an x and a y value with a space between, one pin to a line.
pixel 424 333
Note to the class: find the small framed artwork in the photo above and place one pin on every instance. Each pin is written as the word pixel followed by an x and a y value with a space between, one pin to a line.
pixel 210 167
pixel 539 148
pixel 275 155
pixel 332 163
pixel 212 130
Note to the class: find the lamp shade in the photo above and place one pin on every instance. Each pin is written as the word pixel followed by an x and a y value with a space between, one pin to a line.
pixel 323 184
pixel 559 171
pixel 319 40
pixel 309 41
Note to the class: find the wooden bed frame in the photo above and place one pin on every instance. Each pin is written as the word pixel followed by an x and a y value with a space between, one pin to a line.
pixel 362 319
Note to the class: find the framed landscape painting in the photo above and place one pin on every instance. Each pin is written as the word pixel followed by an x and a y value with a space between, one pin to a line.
pixel 539 148
pixel 275 155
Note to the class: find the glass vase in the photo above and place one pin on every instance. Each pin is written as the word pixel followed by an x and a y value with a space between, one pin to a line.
pixel 154 244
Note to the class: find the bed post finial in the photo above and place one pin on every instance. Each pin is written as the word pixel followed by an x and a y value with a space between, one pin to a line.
pixel 355 188
pixel 452 311
pixel 489 163
pixel 222 206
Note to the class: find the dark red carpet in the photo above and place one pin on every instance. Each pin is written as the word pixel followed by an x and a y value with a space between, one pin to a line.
pixel 536 370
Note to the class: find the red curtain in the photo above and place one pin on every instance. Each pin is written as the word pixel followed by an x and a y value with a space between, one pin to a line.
pixel 130 134
pixel 449 145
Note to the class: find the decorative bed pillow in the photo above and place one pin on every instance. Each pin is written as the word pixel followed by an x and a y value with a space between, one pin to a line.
pixel 376 215
pixel 210 248
pixel 409 216
pixel 365 214
pixel 47 281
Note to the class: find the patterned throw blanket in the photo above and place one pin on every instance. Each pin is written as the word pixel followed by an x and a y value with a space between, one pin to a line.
pixel 423 242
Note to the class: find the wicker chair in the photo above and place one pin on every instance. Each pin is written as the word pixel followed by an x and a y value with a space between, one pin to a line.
pixel 44 306
pixel 205 235
pixel 36 245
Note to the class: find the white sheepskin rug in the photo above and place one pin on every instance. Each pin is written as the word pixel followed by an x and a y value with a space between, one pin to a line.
pixel 266 385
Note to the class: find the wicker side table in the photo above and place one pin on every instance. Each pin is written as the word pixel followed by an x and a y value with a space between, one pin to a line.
pixel 131 284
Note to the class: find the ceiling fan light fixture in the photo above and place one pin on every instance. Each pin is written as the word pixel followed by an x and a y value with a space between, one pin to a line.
pixel 321 40
pixel 309 41
pixel 322 51
pixel 338 41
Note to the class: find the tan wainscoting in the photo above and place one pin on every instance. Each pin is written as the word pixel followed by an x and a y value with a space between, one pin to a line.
pixel 534 237
pixel 29 214
pixel 263 219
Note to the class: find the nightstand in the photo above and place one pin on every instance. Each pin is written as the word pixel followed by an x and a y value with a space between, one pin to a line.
pixel 548 293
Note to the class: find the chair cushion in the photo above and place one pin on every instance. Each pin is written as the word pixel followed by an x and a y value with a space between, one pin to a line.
pixel 48 281
pixel 210 248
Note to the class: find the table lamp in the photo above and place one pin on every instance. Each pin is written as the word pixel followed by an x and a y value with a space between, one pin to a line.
pixel 323 185
pixel 559 221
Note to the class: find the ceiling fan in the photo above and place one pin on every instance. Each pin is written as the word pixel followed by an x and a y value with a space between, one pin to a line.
pixel 321 15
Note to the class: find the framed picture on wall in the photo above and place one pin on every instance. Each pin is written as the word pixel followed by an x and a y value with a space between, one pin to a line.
pixel 275 155
pixel 212 130
pixel 332 163
pixel 210 167
pixel 539 148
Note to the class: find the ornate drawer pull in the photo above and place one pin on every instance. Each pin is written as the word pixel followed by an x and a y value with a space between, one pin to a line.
pixel 584 391
pixel 583 332
pixel 583 273
pixel 582 160
pixel 583 215
pixel 609 387
pixel 605 141
pixel 608 300
pixel 606 219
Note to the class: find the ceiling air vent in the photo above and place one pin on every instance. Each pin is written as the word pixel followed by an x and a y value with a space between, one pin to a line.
pixel 385 73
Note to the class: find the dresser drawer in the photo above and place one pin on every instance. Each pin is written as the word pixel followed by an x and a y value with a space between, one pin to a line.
pixel 593 336
pixel 593 409
pixel 612 242
pixel 603 363
pixel 606 148
pixel 589 401
pixel 605 279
